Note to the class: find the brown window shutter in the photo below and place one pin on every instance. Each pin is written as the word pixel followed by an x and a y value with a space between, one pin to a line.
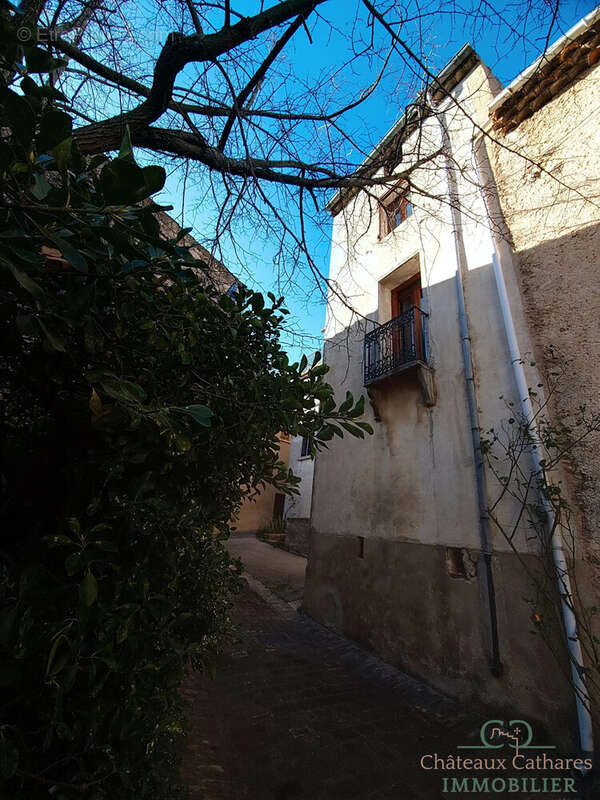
pixel 384 222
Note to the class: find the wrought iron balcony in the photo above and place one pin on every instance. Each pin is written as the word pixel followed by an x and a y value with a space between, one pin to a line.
pixel 394 346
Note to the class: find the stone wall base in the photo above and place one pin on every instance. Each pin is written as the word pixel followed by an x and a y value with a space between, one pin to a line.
pixel 421 608
pixel 297 535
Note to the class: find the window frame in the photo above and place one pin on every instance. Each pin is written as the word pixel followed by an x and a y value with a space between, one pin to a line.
pixel 306 445
pixel 396 199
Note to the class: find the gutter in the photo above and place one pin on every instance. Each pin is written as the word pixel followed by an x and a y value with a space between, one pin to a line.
pixel 582 698
pixel 573 33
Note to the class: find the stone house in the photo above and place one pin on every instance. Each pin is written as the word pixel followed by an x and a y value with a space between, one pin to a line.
pixel 266 508
pixel 215 273
pixel 476 257
pixel 298 507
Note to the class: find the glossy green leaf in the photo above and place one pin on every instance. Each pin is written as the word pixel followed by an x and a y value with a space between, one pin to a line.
pixel 62 153
pixel 9 758
pixel 26 282
pixel 359 408
pixel 347 404
pixel 56 127
pixel 60 540
pixel 121 181
pixel 88 589
pixel 18 115
pixel 39 60
pixel 201 414
pixel 74 256
pixel 8 618
pixel 58 656
pixel 73 563
pixel 41 186
pixel 154 180
pixel 353 429
pixel 325 434
pixel 121 389
pixel 126 150
pixel 53 339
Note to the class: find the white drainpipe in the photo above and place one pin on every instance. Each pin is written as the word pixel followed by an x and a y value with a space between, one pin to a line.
pixel 582 699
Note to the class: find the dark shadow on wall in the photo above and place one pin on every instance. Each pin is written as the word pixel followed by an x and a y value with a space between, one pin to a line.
pixel 410 492
pixel 560 283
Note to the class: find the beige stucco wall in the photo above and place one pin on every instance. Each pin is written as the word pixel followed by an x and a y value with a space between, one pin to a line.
pixel 551 203
pixel 299 506
pixel 414 479
pixel 257 512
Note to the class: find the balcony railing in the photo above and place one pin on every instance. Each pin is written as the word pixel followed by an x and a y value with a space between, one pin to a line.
pixel 392 347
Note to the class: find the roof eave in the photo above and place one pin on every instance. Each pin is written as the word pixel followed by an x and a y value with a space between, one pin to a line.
pixel 555 48
pixel 446 80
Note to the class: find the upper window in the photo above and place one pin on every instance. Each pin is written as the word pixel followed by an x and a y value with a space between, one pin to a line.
pixel 306 446
pixel 395 207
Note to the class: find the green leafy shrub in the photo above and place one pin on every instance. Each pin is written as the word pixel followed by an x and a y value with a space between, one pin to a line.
pixel 136 401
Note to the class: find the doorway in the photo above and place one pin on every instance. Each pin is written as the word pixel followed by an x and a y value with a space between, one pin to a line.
pixel 407 336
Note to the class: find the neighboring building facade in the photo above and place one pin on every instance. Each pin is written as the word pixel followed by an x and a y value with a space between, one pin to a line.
pixel 267 508
pixel 402 556
pixel 554 228
pixel 215 273
pixel 298 506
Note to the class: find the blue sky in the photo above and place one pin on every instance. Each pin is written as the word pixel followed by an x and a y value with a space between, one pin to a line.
pixel 507 53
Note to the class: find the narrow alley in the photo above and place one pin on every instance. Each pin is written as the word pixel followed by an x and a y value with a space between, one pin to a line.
pixel 296 711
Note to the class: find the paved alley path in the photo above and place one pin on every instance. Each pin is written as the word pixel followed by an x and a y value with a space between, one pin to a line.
pixel 296 712
pixel 278 570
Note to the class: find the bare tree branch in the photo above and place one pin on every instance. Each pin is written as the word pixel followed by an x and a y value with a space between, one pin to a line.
pixel 177 52
pixel 258 76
